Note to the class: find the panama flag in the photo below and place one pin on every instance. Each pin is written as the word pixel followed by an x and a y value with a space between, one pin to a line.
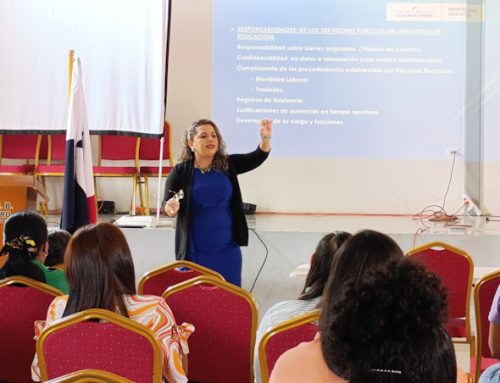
pixel 79 207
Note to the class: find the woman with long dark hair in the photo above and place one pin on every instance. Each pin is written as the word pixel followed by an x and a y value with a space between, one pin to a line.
pixel 362 252
pixel 382 324
pixel 101 274
pixel 309 299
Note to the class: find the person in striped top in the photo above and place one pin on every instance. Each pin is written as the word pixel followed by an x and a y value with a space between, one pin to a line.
pixel 101 275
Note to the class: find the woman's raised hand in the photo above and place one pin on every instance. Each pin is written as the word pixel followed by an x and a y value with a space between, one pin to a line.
pixel 266 130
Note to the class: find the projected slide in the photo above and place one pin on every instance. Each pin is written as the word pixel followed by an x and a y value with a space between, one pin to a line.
pixel 491 85
pixel 358 79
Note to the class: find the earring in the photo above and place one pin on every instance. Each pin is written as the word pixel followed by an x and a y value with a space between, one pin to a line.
pixel 192 149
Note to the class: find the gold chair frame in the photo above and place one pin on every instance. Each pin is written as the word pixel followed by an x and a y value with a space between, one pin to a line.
pixel 31 283
pixel 107 316
pixel 284 326
pixel 479 329
pixel 136 178
pixel 469 338
pixel 174 265
pixel 214 281
pixel 35 159
pixel 43 205
pixel 94 376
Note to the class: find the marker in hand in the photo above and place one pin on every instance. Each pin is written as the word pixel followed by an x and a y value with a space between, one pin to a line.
pixel 179 195
pixel 173 203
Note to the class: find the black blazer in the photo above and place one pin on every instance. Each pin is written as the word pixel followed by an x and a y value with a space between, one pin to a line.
pixel 182 177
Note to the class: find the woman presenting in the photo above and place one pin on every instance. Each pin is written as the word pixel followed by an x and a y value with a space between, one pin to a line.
pixel 211 225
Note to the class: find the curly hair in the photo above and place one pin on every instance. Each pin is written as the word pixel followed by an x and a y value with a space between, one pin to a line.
pixel 321 263
pixel 389 328
pixel 220 161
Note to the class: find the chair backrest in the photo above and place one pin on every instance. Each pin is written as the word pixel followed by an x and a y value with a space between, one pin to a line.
pixel 456 269
pixel 102 340
pixel 225 318
pixel 118 148
pixel 156 281
pixel 284 336
pixel 149 148
pixel 94 376
pixel 52 155
pixel 20 147
pixel 484 292
pixel 22 301
pixel 56 150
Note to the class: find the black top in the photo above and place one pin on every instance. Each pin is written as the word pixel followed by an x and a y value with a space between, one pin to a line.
pixel 182 177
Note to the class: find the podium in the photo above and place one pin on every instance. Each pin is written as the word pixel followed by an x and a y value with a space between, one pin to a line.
pixel 18 192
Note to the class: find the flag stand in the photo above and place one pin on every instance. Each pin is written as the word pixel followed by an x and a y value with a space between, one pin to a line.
pixel 71 59
pixel 79 202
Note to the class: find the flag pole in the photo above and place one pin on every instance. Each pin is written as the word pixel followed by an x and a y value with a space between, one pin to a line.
pixel 71 56
pixel 158 191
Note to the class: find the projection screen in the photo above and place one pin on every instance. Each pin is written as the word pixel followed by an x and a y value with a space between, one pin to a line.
pixel 123 48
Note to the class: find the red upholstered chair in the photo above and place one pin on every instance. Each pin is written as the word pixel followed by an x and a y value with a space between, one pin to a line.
pixel 51 160
pixel 102 340
pixel 23 301
pixel 119 149
pixel 283 337
pixel 53 149
pixel 484 291
pixel 94 376
pixel 225 318
pixel 25 147
pixel 456 269
pixel 156 281
pixel 149 155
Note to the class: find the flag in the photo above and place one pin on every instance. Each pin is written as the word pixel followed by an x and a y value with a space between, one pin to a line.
pixel 79 207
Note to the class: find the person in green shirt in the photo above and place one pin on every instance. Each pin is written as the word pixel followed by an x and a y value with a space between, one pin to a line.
pixel 26 246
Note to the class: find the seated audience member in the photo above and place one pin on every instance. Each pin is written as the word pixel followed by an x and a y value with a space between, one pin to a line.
pixel 101 275
pixel 386 328
pixel 360 253
pixel 25 237
pixel 58 240
pixel 492 373
pixel 321 262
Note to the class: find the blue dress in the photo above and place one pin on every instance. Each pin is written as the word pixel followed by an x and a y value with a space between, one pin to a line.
pixel 211 241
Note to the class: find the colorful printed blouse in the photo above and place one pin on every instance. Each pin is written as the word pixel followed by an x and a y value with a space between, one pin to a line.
pixel 150 311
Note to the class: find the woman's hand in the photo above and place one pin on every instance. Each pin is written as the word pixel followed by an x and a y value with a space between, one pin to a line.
pixel 266 130
pixel 172 207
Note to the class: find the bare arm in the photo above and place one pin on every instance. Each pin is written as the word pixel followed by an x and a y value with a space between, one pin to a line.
pixel 494 340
